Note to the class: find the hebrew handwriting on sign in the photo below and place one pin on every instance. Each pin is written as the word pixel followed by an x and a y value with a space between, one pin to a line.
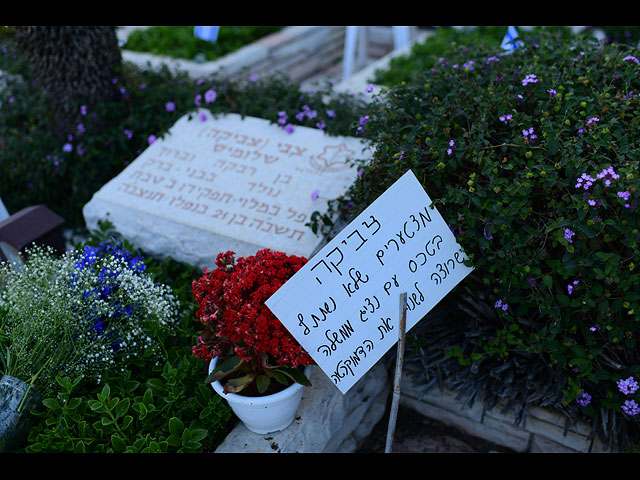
pixel 343 305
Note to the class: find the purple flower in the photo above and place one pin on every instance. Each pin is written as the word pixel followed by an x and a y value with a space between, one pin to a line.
pixel 630 407
pixel 594 328
pixel 492 59
pixel 624 195
pixel 490 237
pixel 203 117
pixel 67 147
pixel 369 88
pixel 468 65
pixel 528 134
pixel 151 139
pixel 592 120
pixel 289 128
pixel 584 399
pixel 531 78
pixel 585 181
pixel 505 118
pixel 532 282
pixel 498 304
pixel 331 114
pixel 568 234
pixel 210 96
pixel 628 386
pixel 128 133
pixel 321 125
pixel 315 194
pixel 631 58
pixel 81 128
pixel 170 106
pixel 254 77
pixel 83 109
pixel 198 100
pixel 552 92
pixel 360 172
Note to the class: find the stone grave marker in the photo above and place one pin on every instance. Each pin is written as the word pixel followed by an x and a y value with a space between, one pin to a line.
pixel 227 183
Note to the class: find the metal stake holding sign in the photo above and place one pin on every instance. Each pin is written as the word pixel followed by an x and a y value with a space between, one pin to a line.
pixel 395 402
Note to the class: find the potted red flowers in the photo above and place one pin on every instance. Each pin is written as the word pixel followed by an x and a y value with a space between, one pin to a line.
pixel 254 360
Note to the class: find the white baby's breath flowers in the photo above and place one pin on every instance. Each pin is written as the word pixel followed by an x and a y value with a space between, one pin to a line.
pixel 78 314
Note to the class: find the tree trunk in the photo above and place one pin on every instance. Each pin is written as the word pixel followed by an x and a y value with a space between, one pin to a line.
pixel 75 65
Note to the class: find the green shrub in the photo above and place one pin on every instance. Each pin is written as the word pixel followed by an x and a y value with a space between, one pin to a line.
pixel 63 170
pixel 503 143
pixel 424 55
pixel 180 42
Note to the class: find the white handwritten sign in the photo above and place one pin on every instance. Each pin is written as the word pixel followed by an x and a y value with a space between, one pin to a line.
pixel 342 306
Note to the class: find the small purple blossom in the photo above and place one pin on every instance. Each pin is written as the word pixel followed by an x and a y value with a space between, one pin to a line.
pixel 289 128
pixel 624 195
pixel 528 134
pixel 254 77
pixel 128 133
pixel 151 139
pixel 505 118
pixel 585 181
pixel 492 59
pixel 568 234
pixel 331 114
pixel 363 122
pixel 83 109
pixel 210 96
pixel 631 58
pixel 170 106
pixel 628 386
pixel 531 78
pixel 468 65
pixel 197 100
pixel 630 407
pixel 203 117
pixel 80 128
pixel 67 147
pixel 552 92
pixel 369 88
pixel 594 328
pixel 592 120
pixel 315 194
pixel 321 125
pixel 584 399
pixel 360 172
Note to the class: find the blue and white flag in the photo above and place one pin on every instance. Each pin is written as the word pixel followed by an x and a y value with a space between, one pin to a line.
pixel 210 34
pixel 509 41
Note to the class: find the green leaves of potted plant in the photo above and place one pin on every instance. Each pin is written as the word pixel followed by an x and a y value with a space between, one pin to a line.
pixel 255 363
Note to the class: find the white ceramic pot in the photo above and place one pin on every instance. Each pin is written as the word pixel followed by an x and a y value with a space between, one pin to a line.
pixel 267 414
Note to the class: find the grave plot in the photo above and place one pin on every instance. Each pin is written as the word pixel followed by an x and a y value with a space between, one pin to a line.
pixel 227 183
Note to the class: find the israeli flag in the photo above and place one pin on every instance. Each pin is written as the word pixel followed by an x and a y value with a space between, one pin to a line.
pixel 210 34
pixel 509 43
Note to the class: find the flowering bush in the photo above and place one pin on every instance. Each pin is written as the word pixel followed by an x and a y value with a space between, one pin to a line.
pixel 64 169
pixel 78 314
pixel 540 188
pixel 239 327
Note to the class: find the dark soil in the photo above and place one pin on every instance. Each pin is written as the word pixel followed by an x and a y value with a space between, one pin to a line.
pixel 415 433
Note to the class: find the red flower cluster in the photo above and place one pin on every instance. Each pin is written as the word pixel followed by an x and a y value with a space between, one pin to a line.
pixel 231 307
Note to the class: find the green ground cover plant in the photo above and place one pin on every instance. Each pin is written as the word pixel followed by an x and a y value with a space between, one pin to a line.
pixel 63 169
pixel 178 41
pixel 425 55
pixel 532 159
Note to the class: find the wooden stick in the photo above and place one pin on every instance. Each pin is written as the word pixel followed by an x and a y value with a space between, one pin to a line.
pixel 396 383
